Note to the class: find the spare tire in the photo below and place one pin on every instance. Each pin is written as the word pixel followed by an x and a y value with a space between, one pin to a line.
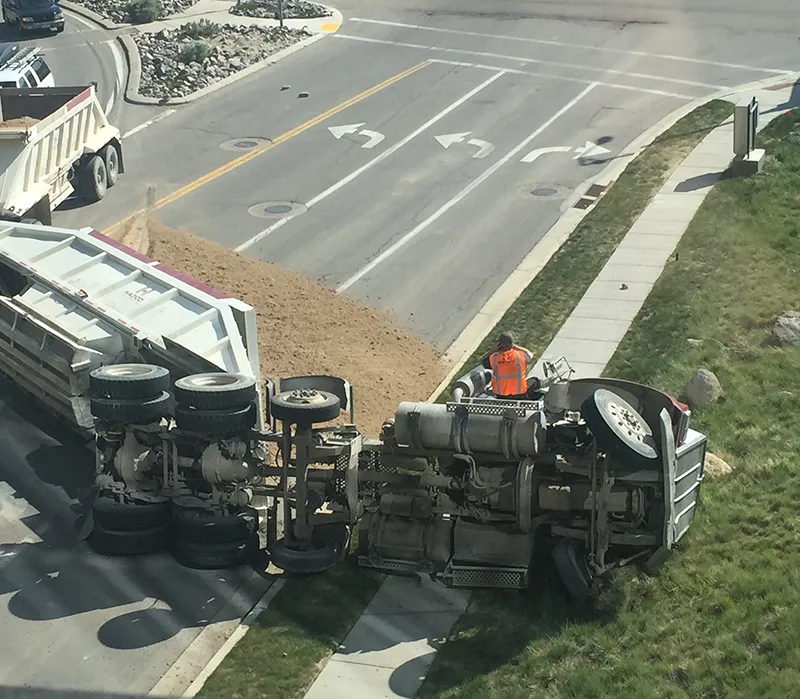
pixel 128 543
pixel 128 381
pixel 619 429
pixel 305 407
pixel 113 515
pixel 214 556
pixel 323 555
pixel 215 391
pixel 135 411
pixel 216 423
pixel 209 527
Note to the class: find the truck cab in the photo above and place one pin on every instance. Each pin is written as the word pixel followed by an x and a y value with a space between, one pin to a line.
pixel 33 15
pixel 23 67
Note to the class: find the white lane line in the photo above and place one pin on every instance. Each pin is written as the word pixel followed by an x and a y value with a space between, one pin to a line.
pixel 149 122
pixel 110 103
pixel 523 59
pixel 380 158
pixel 414 232
pixel 564 44
pixel 553 76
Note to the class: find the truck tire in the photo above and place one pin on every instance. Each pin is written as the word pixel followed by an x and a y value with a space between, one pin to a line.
pixel 137 411
pixel 93 179
pixel 110 157
pixel 128 543
pixel 323 555
pixel 215 391
pixel 214 556
pixel 216 422
pixel 125 381
pixel 569 558
pixel 305 407
pixel 113 515
pixel 207 527
pixel 619 429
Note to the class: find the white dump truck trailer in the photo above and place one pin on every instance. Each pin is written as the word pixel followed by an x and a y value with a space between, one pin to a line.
pixel 194 451
pixel 54 142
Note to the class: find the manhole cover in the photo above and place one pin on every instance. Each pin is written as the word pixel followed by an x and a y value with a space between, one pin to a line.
pixel 543 191
pixel 276 209
pixel 245 143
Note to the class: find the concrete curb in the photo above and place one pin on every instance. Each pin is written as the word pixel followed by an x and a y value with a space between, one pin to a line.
pixel 510 290
pixel 134 61
pixel 135 72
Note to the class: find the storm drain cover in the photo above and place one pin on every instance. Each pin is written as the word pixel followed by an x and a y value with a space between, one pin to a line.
pixel 276 209
pixel 543 191
pixel 244 143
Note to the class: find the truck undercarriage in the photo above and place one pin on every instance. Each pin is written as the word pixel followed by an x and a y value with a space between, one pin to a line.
pixel 195 453
pixel 600 472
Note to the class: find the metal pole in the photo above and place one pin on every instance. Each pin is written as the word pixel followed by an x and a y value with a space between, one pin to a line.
pixel 280 12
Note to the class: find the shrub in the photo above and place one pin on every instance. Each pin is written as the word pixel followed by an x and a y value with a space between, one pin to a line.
pixel 196 52
pixel 143 11
pixel 204 29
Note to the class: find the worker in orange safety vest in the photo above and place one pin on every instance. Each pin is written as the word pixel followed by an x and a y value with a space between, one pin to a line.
pixel 509 364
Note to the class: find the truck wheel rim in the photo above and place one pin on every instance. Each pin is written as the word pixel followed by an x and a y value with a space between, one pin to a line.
pixel 627 421
pixel 305 396
pixel 127 371
pixel 215 380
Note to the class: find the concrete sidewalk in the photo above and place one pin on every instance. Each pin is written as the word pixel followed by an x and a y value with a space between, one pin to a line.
pixel 389 650
pixel 591 334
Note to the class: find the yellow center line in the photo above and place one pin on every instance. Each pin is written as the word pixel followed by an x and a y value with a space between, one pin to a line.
pixel 250 155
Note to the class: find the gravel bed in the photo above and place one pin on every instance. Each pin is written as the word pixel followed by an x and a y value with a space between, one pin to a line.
pixel 268 9
pixel 168 70
pixel 117 10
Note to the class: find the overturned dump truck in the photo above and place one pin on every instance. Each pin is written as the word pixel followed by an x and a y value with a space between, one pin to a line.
pixel 196 454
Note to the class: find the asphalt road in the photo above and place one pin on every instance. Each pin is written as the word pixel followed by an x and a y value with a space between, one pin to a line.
pixel 403 223
pixel 409 225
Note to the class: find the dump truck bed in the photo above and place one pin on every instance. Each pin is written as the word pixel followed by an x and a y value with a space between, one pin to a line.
pixel 73 300
pixel 43 132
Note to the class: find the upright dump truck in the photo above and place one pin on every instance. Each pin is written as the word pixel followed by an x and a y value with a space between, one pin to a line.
pixel 54 141
pixel 194 451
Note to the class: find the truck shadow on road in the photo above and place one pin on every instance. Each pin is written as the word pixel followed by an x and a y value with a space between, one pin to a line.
pixel 46 474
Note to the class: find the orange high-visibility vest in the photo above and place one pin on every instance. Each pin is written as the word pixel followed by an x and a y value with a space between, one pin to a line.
pixel 508 372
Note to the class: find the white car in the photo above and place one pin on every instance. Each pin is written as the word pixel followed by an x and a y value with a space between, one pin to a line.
pixel 24 67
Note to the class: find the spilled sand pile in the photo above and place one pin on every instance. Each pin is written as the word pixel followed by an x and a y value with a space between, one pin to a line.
pixel 304 327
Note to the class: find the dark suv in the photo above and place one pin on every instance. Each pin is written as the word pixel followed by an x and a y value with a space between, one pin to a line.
pixel 33 15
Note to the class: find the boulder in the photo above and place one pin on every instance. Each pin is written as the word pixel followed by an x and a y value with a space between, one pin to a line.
pixel 714 466
pixel 703 389
pixel 786 331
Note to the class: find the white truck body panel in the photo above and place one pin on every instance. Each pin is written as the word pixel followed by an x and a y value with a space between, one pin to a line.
pixel 73 300
pixel 35 161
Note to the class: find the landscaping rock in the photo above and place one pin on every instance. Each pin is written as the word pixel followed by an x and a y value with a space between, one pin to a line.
pixel 715 467
pixel 176 65
pixel 268 9
pixel 786 331
pixel 117 10
pixel 703 389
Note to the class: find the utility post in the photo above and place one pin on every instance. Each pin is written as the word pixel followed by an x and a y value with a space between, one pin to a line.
pixel 748 160
pixel 280 13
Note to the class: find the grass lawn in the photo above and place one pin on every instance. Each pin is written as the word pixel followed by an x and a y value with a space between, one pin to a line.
pixel 281 654
pixel 545 305
pixel 722 620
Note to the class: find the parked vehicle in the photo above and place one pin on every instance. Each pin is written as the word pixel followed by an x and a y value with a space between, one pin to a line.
pixel 54 142
pixel 33 15
pixel 595 473
pixel 24 67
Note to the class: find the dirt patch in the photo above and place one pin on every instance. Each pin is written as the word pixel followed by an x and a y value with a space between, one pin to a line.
pixel 716 467
pixel 306 328
pixel 24 122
